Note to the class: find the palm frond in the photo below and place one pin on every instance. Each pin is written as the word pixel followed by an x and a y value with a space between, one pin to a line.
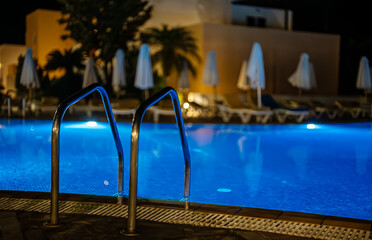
pixel 174 46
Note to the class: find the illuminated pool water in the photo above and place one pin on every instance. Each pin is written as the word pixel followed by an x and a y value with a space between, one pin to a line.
pixel 322 169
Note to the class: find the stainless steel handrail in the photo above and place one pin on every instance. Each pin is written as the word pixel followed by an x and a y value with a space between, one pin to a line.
pixel 58 116
pixel 9 104
pixel 137 119
pixel 8 99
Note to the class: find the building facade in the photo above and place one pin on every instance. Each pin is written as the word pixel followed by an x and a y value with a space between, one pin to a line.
pixel 229 30
pixel 9 54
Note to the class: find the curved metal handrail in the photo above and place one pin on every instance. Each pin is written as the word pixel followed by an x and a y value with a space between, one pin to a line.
pixel 137 119
pixel 8 99
pixel 9 104
pixel 57 119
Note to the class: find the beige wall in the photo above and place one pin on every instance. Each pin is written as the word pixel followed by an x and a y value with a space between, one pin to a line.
pixel 43 34
pixel 281 50
pixel 275 18
pixel 232 45
pixel 185 13
pixel 9 54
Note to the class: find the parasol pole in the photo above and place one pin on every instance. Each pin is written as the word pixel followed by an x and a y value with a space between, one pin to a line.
pixel 29 93
pixel 259 102
pixel 185 95
pixel 30 96
pixel 366 95
pixel 249 96
pixel 215 99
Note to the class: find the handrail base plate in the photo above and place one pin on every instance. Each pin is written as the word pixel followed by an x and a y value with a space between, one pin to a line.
pixel 50 225
pixel 128 234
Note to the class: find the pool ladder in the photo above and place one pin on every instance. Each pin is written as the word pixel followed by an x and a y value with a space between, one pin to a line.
pixel 136 123
pixel 6 97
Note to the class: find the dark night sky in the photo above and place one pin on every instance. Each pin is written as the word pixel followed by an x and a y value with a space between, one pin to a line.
pixel 330 16
pixel 13 26
pixel 350 19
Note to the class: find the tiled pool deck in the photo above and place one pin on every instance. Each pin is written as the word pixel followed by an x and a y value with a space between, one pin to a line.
pixel 27 211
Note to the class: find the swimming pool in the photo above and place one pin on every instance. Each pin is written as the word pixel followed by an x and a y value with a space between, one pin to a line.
pixel 321 169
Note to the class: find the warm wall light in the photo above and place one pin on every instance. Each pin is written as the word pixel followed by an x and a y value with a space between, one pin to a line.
pixel 186 105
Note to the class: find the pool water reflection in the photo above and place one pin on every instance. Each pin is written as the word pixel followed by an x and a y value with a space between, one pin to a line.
pixel 324 169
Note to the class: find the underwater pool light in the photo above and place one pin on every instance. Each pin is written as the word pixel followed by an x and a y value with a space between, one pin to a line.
pixel 312 126
pixel 92 124
pixel 85 125
pixel 224 190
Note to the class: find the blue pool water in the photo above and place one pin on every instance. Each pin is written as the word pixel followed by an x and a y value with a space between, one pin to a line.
pixel 322 169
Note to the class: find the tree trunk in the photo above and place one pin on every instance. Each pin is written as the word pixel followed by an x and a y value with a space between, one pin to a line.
pixel 165 76
pixel 108 76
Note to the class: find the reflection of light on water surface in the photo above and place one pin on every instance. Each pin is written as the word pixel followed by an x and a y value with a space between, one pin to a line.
pixel 262 166
pixel 203 136
pixel 89 124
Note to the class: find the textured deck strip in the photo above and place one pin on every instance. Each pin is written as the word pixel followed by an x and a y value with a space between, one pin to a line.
pixel 193 217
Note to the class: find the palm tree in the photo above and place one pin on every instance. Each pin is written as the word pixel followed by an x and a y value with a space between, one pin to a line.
pixel 104 26
pixel 69 61
pixel 173 47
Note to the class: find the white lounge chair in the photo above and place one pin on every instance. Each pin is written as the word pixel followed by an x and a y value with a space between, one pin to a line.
pixel 322 108
pixel 88 107
pixel 354 108
pixel 6 105
pixel 125 107
pixel 232 105
pixel 316 108
pixel 164 107
pixel 11 104
pixel 282 112
pixel 47 104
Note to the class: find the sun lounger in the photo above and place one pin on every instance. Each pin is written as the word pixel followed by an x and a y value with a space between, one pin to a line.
pixel 125 107
pixel 354 108
pixel 190 109
pixel 320 109
pixel 10 104
pixel 164 107
pixel 46 104
pixel 316 108
pixel 88 107
pixel 232 105
pixel 6 105
pixel 282 112
pixel 196 110
pixel 199 105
